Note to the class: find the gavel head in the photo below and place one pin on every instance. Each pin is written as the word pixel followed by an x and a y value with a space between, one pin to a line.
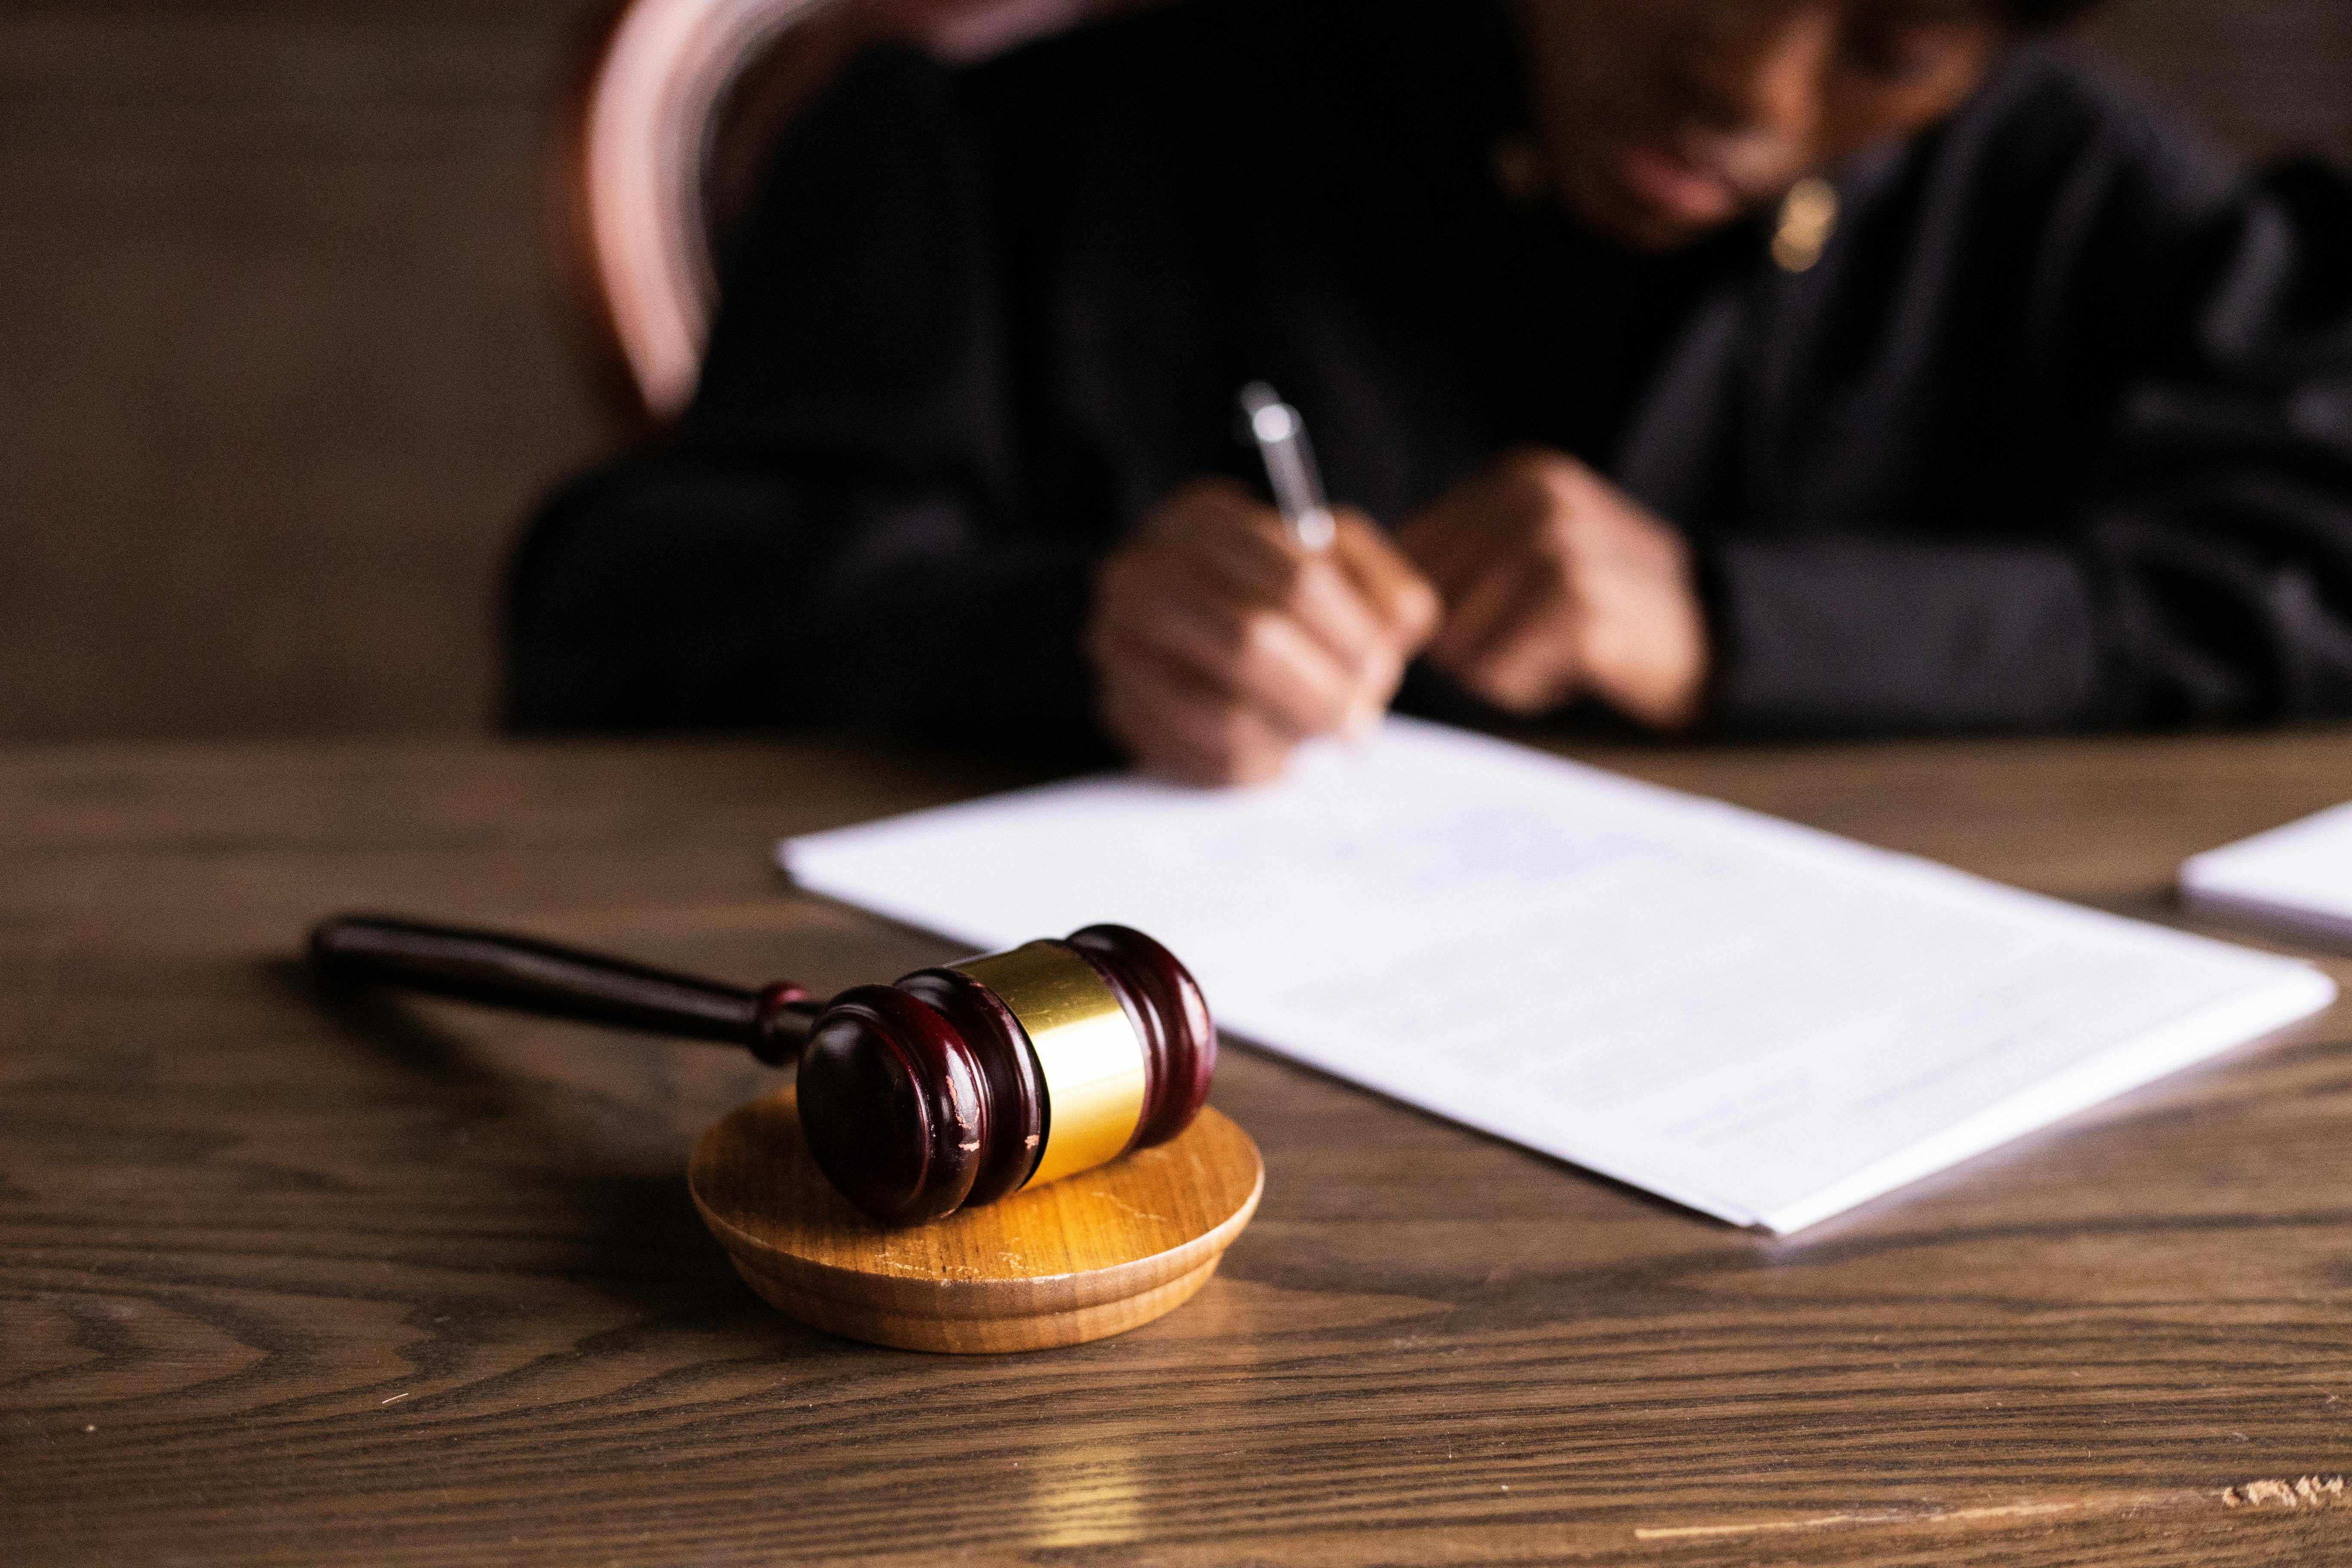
pixel 959 1085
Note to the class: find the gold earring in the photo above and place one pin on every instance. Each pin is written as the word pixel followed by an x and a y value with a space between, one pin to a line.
pixel 1809 216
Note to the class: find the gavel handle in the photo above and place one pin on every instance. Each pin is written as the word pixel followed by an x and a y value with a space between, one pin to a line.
pixel 560 982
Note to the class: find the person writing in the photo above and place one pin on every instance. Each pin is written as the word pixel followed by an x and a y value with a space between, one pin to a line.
pixel 1731 366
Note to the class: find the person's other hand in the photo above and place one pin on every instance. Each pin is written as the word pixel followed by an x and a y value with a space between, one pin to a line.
pixel 1219 643
pixel 1557 585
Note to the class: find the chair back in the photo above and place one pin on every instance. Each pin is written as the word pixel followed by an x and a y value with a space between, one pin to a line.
pixel 672 135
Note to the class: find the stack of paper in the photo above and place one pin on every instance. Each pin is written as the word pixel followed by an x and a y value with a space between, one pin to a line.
pixel 1758 1020
pixel 2298 876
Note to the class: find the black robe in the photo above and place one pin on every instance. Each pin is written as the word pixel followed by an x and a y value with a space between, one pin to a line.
pixel 2057 433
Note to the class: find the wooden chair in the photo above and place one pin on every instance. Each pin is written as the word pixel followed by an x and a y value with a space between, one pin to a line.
pixel 673 131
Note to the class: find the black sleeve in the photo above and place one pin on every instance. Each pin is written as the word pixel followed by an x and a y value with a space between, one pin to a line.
pixel 2199 568
pixel 835 536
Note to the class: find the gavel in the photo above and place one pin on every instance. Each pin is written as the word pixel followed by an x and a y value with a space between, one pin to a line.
pixel 952 1088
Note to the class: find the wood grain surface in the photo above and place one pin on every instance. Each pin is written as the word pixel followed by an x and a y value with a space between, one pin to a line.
pixel 283 1281
pixel 1097 1253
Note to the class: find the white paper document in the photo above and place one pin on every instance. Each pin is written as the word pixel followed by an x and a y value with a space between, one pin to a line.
pixel 1758 1020
pixel 2298 876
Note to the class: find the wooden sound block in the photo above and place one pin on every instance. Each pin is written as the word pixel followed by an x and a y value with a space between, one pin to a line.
pixel 1094 1254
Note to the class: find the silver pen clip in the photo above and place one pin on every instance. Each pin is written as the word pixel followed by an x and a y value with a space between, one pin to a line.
pixel 1281 437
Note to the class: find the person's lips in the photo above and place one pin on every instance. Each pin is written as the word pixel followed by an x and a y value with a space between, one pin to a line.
pixel 1663 179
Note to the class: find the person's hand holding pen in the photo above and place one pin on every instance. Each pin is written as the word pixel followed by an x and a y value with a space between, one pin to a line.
pixel 1557 585
pixel 1228 631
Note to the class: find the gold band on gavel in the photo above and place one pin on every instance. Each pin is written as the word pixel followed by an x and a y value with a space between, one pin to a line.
pixel 1086 1050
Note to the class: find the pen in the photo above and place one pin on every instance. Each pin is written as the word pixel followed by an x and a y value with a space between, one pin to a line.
pixel 1281 437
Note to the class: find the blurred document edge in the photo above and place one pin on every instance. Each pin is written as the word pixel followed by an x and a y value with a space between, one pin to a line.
pixel 2295 879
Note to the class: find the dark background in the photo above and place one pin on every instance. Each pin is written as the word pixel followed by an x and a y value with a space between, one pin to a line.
pixel 287 343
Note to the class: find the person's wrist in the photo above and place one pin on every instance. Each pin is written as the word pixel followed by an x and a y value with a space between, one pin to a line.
pixel 1684 697
pixel 1683 703
pixel 1704 576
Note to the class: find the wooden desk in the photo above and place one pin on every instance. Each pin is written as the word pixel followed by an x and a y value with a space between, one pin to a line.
pixel 419 1284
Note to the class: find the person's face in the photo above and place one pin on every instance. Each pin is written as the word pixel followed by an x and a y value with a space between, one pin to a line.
pixel 1667 119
